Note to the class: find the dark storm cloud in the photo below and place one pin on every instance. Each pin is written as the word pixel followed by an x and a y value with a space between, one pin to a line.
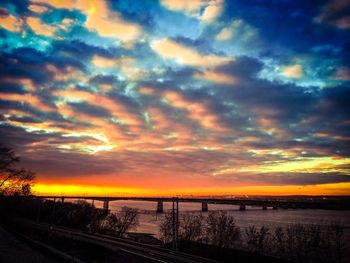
pixel 68 165
pixel 13 65
pixel 289 178
pixel 31 63
pixel 19 6
pixel 104 79
pixel 17 138
pixel 81 50
pixel 336 13
pixel 91 110
pixel 7 87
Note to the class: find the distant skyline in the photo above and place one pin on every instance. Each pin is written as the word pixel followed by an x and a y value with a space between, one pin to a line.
pixel 176 97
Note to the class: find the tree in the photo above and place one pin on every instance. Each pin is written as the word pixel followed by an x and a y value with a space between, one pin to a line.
pixel 120 223
pixel 13 180
pixel 222 230
pixel 166 228
pixel 191 227
pixel 257 239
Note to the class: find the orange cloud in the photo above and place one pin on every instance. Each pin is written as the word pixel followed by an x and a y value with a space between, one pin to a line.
pixel 100 19
pixel 11 23
pixel 109 24
pixel 39 27
pixel 116 109
pixel 196 111
pixel 66 73
pixel 38 8
pixel 104 62
pixel 293 71
pixel 158 119
pixel 212 11
pixel 146 90
pixel 25 82
pixel 30 99
pixel 170 49
pixel 125 64
pixel 216 77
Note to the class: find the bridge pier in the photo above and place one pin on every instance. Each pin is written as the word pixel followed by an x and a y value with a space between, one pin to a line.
pixel 242 207
pixel 106 204
pixel 62 200
pixel 274 207
pixel 264 207
pixel 204 206
pixel 160 207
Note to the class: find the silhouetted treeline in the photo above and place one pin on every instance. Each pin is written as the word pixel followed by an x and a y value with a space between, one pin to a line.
pixel 296 242
pixel 79 215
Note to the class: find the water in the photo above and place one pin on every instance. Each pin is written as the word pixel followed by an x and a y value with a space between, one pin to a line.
pixel 149 220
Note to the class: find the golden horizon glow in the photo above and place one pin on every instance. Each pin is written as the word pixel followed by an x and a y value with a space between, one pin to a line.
pixel 110 191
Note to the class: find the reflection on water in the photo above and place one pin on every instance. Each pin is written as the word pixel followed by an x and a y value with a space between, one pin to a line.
pixel 149 220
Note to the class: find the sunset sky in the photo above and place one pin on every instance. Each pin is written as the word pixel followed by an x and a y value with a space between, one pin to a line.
pixel 176 97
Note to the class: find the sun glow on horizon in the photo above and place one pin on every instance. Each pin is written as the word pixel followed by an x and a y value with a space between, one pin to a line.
pixel 110 191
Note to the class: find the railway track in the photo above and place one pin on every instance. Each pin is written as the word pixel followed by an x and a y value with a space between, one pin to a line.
pixel 150 252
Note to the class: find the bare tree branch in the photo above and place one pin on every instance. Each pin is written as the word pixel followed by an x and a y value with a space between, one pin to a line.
pixel 13 180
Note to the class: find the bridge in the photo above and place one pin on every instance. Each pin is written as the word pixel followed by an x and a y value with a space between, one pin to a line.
pixel 242 203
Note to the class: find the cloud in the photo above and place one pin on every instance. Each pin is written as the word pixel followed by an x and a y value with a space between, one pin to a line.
pixel 115 107
pixel 101 19
pixel 39 27
pixel 216 77
pixel 293 71
pixel 238 30
pixel 109 24
pixel 285 179
pixel 335 13
pixel 10 22
pixel 212 11
pixel 170 49
pixel 104 62
pixel 197 111
pixel 38 8
pixel 225 34
pixel 125 64
pixel 342 73
pixel 205 11
pixel 30 99
pixel 189 7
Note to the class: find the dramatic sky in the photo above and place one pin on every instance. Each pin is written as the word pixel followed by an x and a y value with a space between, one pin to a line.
pixel 178 97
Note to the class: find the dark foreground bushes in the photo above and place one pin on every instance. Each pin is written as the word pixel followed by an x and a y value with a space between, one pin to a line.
pixel 296 243
pixel 79 215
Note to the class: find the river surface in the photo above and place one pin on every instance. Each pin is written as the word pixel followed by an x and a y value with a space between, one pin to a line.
pixel 149 220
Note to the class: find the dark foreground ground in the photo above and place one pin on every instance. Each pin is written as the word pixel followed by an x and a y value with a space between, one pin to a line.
pixel 47 231
pixel 26 244
pixel 16 251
